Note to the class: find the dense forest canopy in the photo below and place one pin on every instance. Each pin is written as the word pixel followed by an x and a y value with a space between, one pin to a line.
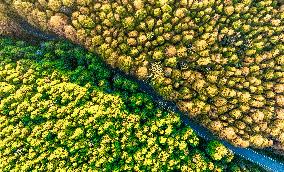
pixel 220 61
pixel 56 112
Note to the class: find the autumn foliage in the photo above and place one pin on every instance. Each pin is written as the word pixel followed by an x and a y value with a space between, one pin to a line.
pixel 220 61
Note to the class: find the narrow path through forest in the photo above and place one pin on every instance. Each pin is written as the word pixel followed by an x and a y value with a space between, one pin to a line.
pixel 247 153
pixel 264 161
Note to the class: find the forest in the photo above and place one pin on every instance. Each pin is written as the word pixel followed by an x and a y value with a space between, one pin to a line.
pixel 64 106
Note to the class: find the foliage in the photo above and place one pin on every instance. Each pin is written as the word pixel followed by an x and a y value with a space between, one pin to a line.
pixel 217 151
pixel 48 122
pixel 7 25
pixel 220 61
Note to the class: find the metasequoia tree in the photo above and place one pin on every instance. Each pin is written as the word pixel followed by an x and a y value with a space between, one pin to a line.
pixel 220 61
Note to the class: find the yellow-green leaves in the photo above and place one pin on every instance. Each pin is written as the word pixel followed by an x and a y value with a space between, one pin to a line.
pixel 157 40
pixel 217 151
pixel 51 120
pixel 86 21
pixel 54 4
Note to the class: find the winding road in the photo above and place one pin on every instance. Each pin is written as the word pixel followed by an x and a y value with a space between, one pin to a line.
pixel 264 161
